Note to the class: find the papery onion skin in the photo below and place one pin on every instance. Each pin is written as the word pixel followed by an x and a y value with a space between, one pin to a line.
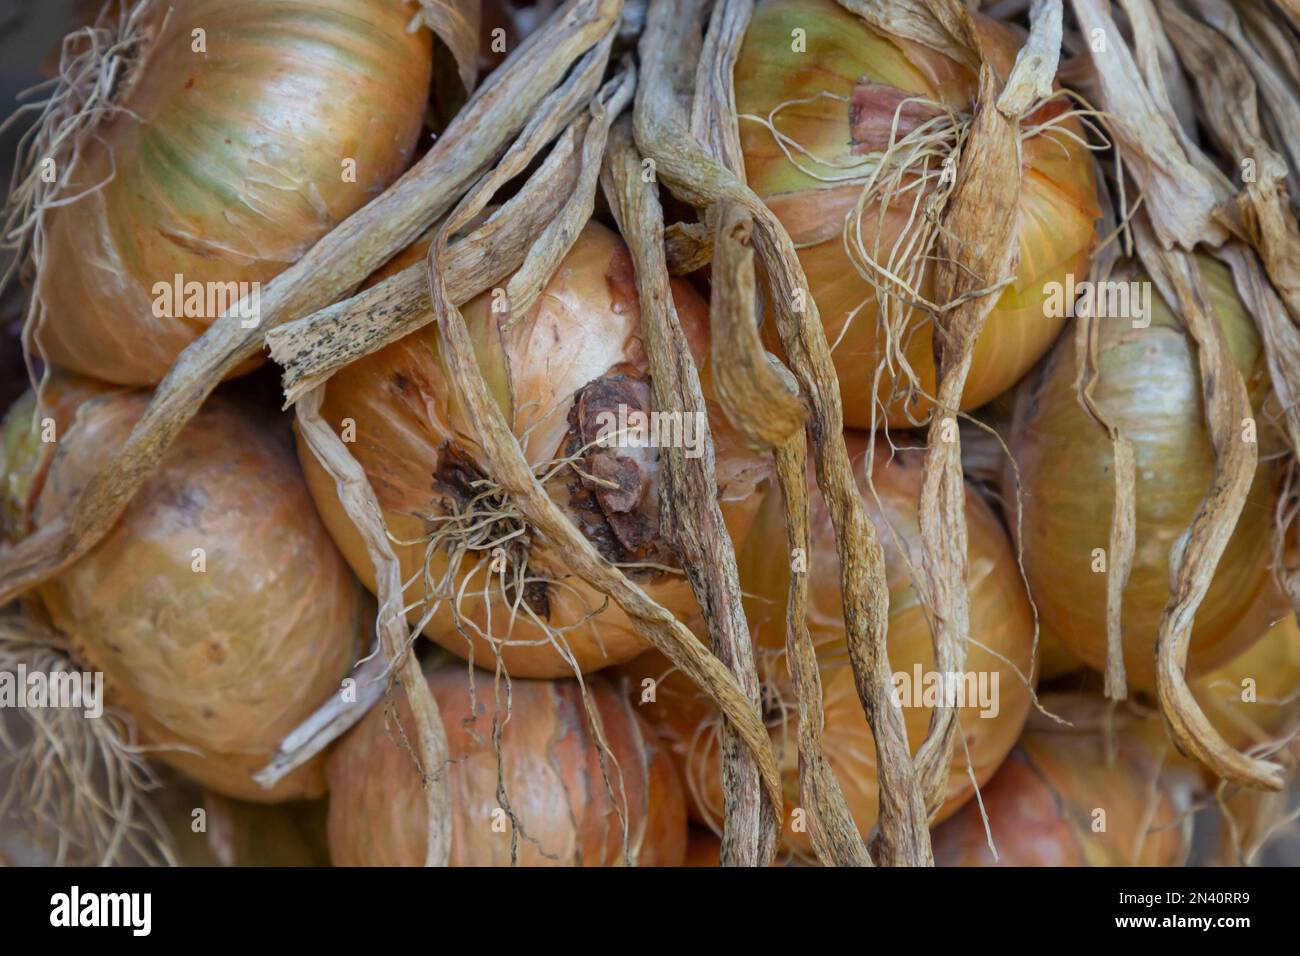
pixel 1042 804
pixel 223 661
pixel 1000 620
pixel 584 329
pixel 551 767
pixel 1058 204
pixel 1149 386
pixel 225 166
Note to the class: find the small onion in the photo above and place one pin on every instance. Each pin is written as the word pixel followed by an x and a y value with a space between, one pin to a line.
pixel 1001 622
pixel 568 797
pixel 1149 386
pixel 1045 805
pixel 836 96
pixel 217 608
pixel 224 166
pixel 576 354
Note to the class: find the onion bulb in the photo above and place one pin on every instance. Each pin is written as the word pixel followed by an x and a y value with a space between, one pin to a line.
pixel 567 797
pixel 832 93
pixel 474 572
pixel 1000 621
pixel 1254 699
pixel 247 131
pixel 1098 793
pixel 1148 385
pixel 217 608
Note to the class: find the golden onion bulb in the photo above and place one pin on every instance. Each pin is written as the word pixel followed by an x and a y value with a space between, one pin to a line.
pixel 247 131
pixel 575 355
pixel 1096 793
pixel 835 96
pixel 568 798
pixel 1149 386
pixel 217 608
pixel 1254 699
pixel 1000 653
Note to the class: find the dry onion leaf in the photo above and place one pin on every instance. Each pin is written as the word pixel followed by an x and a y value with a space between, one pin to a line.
pixel 663 134
pixel 689 493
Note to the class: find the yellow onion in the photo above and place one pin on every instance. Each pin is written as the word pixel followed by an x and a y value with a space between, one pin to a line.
pixel 567 798
pixel 217 608
pixel 576 354
pixel 1097 793
pixel 1254 699
pixel 1149 386
pixel 223 166
pixel 836 97
pixel 1001 623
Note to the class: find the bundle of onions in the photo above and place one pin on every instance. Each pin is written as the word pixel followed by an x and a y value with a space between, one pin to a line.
pixel 1097 793
pixel 482 584
pixel 246 131
pixel 217 608
pixel 999 657
pixel 1148 386
pixel 551 788
pixel 828 103
pixel 1254 699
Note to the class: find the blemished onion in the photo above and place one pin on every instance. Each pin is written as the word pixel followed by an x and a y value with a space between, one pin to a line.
pixel 835 96
pixel 1001 623
pixel 576 354
pixel 218 609
pixel 224 165
pixel 566 797
pixel 1254 699
pixel 1098 793
pixel 1148 385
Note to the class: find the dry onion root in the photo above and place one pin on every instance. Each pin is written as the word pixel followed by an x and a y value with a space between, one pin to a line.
pixel 857 156
pixel 1095 792
pixel 999 659
pixel 1147 386
pixel 217 609
pixel 531 780
pixel 75 787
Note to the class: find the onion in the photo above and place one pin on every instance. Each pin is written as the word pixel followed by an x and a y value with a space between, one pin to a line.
pixel 221 651
pixel 1265 712
pixel 223 166
pixel 841 94
pixel 582 338
pixel 1001 621
pixel 1148 385
pixel 567 796
pixel 1043 805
